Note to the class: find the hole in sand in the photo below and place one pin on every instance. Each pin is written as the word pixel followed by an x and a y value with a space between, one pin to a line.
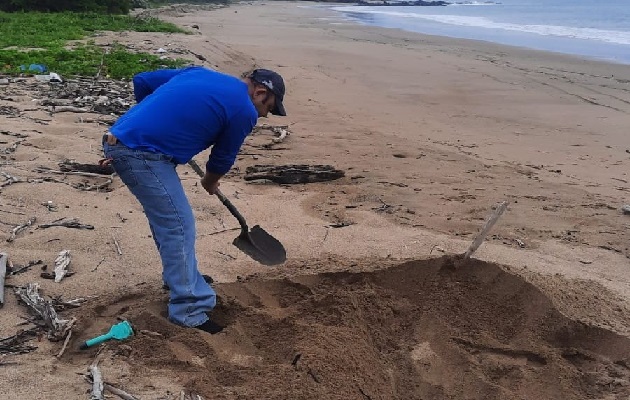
pixel 419 330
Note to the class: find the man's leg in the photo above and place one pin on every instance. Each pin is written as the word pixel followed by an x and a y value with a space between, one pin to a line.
pixel 153 180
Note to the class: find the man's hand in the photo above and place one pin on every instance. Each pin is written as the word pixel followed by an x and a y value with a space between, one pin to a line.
pixel 210 182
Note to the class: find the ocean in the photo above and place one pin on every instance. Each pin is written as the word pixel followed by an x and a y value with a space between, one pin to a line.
pixel 595 29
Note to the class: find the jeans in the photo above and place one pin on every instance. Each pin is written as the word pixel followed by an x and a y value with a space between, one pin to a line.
pixel 153 180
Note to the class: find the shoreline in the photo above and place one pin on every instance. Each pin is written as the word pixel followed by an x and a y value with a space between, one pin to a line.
pixel 531 42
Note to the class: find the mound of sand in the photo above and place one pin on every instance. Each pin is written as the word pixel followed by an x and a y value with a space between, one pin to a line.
pixel 418 330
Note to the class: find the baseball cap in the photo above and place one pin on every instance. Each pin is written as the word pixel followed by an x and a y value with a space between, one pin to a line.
pixel 274 82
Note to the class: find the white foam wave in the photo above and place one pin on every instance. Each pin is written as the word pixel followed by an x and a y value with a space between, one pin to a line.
pixel 474 3
pixel 609 36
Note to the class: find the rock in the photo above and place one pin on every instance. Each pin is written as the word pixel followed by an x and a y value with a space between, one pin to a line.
pixel 4 81
pixel 626 209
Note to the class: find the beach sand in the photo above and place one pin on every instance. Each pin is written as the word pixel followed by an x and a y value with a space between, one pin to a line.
pixel 431 133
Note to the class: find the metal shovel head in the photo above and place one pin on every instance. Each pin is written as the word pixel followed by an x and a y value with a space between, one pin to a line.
pixel 261 246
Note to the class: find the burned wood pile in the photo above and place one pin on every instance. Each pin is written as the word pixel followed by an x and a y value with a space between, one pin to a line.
pixel 293 173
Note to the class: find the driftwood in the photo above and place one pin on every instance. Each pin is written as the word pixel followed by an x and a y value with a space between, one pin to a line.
pixel 12 148
pixel 118 249
pixel 111 388
pixel 189 396
pixel 3 274
pixel 57 328
pixel 17 135
pixel 61 305
pixel 16 344
pixel 70 166
pixel 19 269
pixel 20 228
pixel 61 265
pixel 71 223
pixel 293 173
pixel 103 96
pixel 97 383
pixel 10 180
pixel 492 219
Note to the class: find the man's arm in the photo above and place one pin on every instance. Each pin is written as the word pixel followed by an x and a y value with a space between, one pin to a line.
pixel 146 83
pixel 225 150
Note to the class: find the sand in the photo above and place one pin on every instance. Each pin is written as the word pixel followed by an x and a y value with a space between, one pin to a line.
pixel 431 133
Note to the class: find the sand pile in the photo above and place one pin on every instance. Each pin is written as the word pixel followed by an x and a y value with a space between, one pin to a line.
pixel 417 330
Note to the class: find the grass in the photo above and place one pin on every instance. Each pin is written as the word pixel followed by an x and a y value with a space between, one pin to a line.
pixel 46 34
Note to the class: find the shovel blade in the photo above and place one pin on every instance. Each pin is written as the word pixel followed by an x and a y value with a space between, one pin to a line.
pixel 261 246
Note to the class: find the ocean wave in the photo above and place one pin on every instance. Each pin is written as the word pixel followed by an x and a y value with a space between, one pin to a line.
pixel 608 36
pixel 475 3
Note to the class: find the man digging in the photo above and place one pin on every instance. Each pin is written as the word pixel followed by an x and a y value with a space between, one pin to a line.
pixel 180 113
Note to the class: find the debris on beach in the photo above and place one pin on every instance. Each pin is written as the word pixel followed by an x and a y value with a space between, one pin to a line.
pixel 45 315
pixel 61 265
pixel 293 173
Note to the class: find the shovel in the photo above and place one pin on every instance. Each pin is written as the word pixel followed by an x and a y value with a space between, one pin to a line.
pixel 120 331
pixel 257 243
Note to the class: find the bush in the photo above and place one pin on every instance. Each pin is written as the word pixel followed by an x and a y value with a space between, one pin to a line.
pixel 101 6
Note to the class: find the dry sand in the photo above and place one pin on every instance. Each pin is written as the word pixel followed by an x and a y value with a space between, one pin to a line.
pixel 431 133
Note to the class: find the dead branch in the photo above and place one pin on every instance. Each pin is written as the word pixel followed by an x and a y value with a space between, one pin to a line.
pixel 20 228
pixel 97 383
pixel 17 135
pixel 492 219
pixel 68 336
pixel 99 264
pixel 29 295
pixel 112 389
pixel 90 188
pixel 71 223
pixel 62 305
pixel 118 392
pixel 18 270
pixel 221 231
pixel 3 273
pixel 117 245
pixel 61 265
pixel 12 148
pixel 15 344
pixel 10 180
pixel 73 109
pixel 47 170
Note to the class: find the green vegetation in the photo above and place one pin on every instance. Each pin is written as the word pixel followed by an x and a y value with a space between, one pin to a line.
pixel 103 6
pixel 41 38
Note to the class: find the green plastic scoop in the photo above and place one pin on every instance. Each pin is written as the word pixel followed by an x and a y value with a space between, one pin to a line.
pixel 119 331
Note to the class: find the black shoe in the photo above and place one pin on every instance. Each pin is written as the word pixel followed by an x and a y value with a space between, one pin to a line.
pixel 206 278
pixel 210 327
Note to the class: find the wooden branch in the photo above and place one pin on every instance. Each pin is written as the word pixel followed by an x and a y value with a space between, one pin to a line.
pixel 97 383
pixel 10 180
pixel 118 392
pixel 57 328
pixel 117 245
pixel 52 171
pixel 71 223
pixel 486 228
pixel 221 231
pixel 23 268
pixel 69 109
pixel 61 265
pixel 20 228
pixel 12 148
pixel 3 273
pixel 65 344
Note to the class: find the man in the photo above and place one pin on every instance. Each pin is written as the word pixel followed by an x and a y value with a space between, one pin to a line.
pixel 181 112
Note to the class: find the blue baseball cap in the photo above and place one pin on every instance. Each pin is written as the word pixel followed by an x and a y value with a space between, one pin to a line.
pixel 274 82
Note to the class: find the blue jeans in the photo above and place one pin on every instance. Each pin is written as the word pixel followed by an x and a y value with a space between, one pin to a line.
pixel 152 178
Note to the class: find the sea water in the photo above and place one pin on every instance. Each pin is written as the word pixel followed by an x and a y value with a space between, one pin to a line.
pixel 597 29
